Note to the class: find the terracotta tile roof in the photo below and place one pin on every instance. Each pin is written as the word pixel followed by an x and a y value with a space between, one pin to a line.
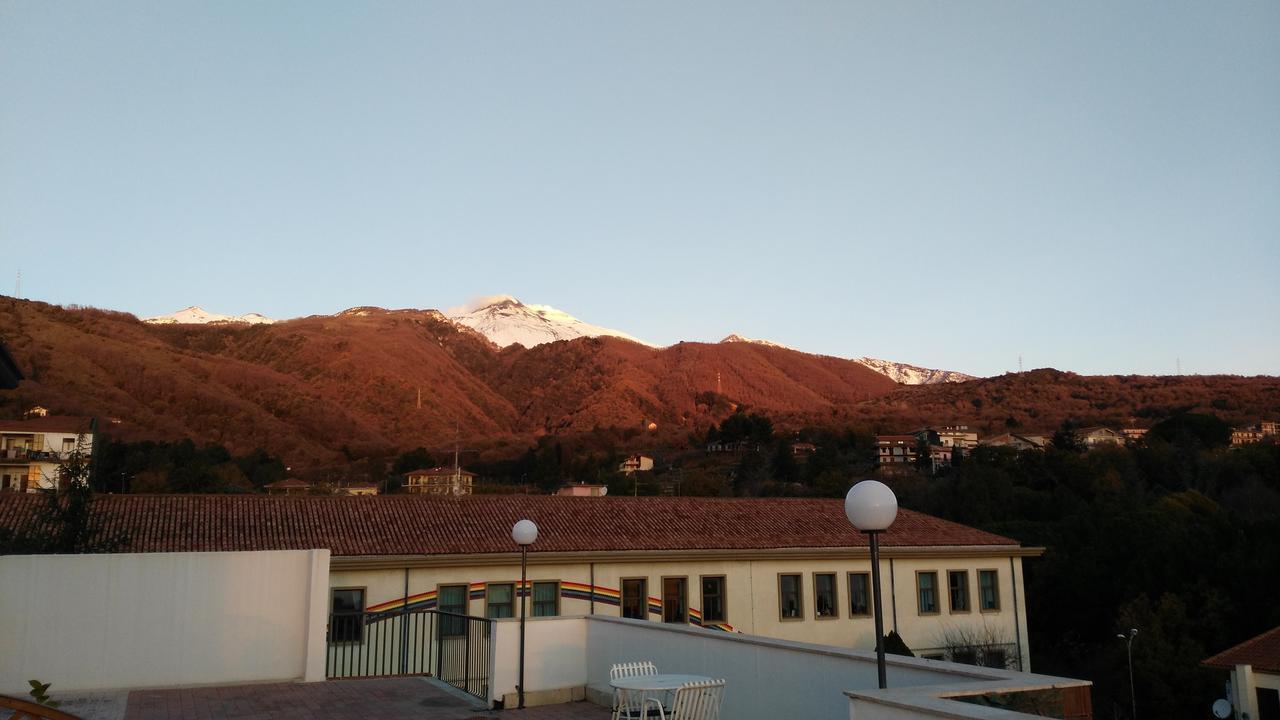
pixel 416 524
pixel 1262 652
pixel 49 423
pixel 289 484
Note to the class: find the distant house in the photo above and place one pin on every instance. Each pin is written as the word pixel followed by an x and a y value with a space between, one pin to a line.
pixel 895 449
pixel 730 447
pixel 948 436
pixel 36 411
pixel 288 486
pixel 1255 675
pixel 583 490
pixel 33 451
pixel 1094 436
pixel 358 488
pixel 1018 441
pixel 803 448
pixel 1269 429
pixel 1134 434
pixel 634 463
pixel 1245 436
pixel 440 481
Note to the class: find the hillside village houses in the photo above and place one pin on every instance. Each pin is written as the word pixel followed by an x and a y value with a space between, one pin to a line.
pixel 792 569
pixel 33 451
pixel 636 463
pixel 440 481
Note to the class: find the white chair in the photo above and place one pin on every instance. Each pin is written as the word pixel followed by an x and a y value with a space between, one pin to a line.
pixel 694 701
pixel 626 704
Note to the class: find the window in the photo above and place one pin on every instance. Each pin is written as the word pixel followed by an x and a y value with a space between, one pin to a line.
pixel 347 621
pixel 674 594
pixel 546 599
pixel 988 590
pixel 965 655
pixel 958 590
pixel 824 595
pixel 499 600
pixel 635 598
pixel 859 594
pixel 927 592
pixel 995 657
pixel 452 599
pixel 713 599
pixel 789 606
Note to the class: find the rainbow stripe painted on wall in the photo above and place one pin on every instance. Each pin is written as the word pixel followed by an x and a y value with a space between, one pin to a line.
pixel 568 591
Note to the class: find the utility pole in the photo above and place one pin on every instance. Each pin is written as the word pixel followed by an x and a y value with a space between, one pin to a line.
pixel 1019 363
pixel 17 287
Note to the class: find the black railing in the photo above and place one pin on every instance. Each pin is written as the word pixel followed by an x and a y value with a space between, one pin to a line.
pixel 453 648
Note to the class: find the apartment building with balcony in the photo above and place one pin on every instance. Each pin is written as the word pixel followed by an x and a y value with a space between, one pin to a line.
pixel 33 451
pixel 439 481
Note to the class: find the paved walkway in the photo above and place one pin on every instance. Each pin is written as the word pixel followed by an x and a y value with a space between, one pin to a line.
pixel 381 698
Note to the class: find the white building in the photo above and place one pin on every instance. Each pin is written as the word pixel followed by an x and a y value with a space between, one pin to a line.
pixel 32 451
pixel 792 569
pixel 1255 676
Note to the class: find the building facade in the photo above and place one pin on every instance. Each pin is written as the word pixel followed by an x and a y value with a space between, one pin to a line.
pixel 439 481
pixel 792 569
pixel 33 451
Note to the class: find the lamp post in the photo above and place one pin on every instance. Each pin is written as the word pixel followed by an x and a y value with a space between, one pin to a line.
pixel 524 533
pixel 1128 646
pixel 871 507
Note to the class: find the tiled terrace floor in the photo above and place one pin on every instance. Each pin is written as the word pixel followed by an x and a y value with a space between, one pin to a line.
pixel 384 699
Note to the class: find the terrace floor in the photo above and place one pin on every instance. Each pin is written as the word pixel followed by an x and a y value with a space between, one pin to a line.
pixel 384 698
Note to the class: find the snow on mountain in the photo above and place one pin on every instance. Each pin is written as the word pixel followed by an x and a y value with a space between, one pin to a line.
pixel 736 338
pixel 912 374
pixel 195 315
pixel 507 321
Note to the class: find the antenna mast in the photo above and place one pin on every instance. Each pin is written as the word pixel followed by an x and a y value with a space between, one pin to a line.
pixel 1019 363
pixel 17 288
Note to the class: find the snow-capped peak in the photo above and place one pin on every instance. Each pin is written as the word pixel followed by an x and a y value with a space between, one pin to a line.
pixel 196 315
pixel 736 338
pixel 912 374
pixel 507 321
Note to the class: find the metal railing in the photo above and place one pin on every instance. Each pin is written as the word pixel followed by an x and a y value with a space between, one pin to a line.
pixel 452 648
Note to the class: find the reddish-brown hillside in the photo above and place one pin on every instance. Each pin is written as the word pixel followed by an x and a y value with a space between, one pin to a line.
pixel 1044 399
pixel 315 389
pixel 308 388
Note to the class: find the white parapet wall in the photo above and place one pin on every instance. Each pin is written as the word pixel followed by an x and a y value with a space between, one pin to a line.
pixel 85 622
pixel 555 656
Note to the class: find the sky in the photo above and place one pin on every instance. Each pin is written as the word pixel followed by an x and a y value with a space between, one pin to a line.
pixel 1093 186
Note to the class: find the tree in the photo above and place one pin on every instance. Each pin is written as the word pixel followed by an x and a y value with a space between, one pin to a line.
pixel 65 524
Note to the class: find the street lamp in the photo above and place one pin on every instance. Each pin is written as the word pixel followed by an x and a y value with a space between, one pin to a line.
pixel 1128 646
pixel 524 533
pixel 871 507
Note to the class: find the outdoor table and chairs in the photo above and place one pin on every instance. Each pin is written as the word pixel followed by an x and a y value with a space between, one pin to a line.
pixel 640 692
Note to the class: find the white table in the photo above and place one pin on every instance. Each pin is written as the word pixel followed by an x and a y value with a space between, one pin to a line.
pixel 652 687
pixel 664 681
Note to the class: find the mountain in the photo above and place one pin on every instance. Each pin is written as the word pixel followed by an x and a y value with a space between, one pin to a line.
pixel 896 371
pixel 368 381
pixel 912 374
pixel 322 390
pixel 507 321
pixel 736 338
pixel 196 315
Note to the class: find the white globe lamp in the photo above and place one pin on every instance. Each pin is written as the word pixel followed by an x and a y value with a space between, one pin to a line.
pixel 871 508
pixel 524 532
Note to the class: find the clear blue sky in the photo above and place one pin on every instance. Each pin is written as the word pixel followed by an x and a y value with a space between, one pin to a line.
pixel 1094 185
